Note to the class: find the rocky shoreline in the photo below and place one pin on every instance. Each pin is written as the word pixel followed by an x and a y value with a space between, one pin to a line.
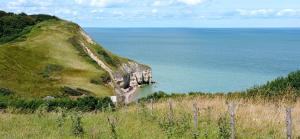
pixel 131 76
pixel 126 79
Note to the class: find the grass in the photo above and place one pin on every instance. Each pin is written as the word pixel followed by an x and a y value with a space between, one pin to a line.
pixel 23 61
pixel 254 119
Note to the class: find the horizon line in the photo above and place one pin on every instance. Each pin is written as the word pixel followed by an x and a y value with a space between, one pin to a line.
pixel 201 27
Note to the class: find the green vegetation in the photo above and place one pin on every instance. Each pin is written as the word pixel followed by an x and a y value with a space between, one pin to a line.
pixel 45 57
pixel 85 104
pixel 13 25
pixel 103 79
pixel 254 119
pixel 277 87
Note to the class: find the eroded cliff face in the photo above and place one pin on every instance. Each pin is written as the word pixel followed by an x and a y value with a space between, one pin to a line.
pixel 126 78
pixel 133 74
pixel 129 77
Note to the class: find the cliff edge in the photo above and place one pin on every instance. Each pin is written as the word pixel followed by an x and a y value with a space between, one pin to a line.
pixel 54 57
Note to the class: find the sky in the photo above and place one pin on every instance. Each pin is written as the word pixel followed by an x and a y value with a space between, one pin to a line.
pixel 165 13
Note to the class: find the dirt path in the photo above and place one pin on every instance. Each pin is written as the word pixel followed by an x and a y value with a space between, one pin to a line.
pixel 128 94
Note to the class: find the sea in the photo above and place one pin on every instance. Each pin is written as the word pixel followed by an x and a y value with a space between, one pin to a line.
pixel 209 60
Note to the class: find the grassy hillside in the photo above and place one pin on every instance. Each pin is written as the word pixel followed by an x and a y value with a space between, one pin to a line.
pixel 50 57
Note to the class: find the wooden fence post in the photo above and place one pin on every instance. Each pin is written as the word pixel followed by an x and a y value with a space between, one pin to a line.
pixel 289 122
pixel 196 111
pixel 232 119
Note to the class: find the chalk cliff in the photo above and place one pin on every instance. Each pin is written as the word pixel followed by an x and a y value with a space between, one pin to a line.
pixel 126 78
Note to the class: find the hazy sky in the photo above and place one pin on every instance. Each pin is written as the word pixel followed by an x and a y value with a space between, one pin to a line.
pixel 165 13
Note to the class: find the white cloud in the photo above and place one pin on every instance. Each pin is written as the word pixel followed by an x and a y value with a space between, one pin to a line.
pixel 78 1
pixel 100 3
pixel 288 12
pixel 191 2
pixel 161 3
pixel 154 11
pixel 16 3
pixel 157 3
pixel 256 12
pixel 269 13
pixel 97 11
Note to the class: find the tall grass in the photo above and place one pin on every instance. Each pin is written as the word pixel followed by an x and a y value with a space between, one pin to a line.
pixel 254 119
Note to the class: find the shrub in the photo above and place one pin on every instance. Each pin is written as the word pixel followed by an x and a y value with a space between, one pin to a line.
pixel 26 105
pixel 109 58
pixel 42 110
pixel 176 126
pixel 13 25
pixel 77 128
pixel 74 92
pixel 156 96
pixel 50 69
pixel 5 92
pixel 113 126
pixel 62 117
pixel 224 126
pixel 103 79
pixel 88 103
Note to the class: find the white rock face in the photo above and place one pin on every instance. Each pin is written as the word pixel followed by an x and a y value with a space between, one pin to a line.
pixel 125 80
pixel 134 74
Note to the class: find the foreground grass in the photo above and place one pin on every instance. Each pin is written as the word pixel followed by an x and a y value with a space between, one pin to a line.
pixel 254 119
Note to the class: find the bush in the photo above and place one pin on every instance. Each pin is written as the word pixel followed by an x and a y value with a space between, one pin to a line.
pixel 275 89
pixel 26 105
pixel 77 128
pixel 82 104
pixel 50 69
pixel 224 127
pixel 177 126
pixel 156 96
pixel 103 79
pixel 68 91
pixel 5 92
pixel 109 58
pixel 13 25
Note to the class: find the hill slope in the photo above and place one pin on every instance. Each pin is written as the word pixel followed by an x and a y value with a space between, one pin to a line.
pixel 54 58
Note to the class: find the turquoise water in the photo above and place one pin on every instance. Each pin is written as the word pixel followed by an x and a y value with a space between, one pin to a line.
pixel 210 60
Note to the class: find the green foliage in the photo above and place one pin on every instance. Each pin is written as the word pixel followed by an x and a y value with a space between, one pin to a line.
pixel 14 25
pixel 113 126
pixel 224 126
pixel 74 41
pixel 26 105
pixel 50 69
pixel 62 117
pixel 5 92
pixel 156 96
pixel 68 91
pixel 175 126
pixel 103 79
pixel 85 104
pixel 109 58
pixel 77 128
pixel 42 110
pixel 274 89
